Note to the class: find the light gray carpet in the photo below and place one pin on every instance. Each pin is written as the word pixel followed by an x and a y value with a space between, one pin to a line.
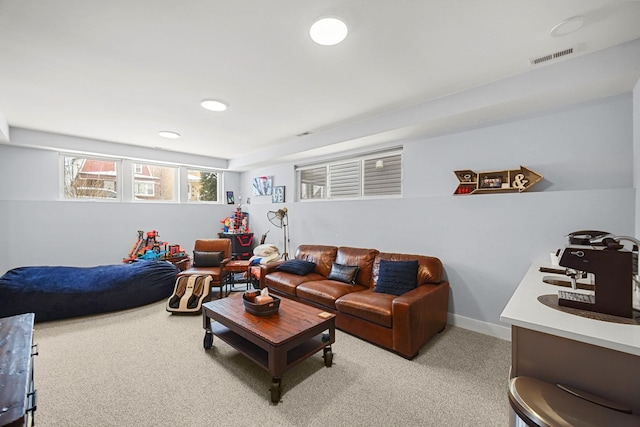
pixel 146 367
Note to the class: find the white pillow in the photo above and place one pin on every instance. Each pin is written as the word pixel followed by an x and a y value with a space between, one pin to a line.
pixel 267 253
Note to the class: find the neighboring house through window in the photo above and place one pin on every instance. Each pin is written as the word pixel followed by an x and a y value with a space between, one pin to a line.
pixel 90 178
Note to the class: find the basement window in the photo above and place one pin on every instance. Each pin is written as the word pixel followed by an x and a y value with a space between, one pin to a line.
pixel 204 186
pixel 91 178
pixel 154 182
pixel 136 180
pixel 371 175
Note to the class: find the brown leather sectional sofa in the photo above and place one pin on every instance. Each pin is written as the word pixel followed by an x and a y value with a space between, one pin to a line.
pixel 402 324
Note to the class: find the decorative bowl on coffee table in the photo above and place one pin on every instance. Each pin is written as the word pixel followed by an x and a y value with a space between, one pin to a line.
pixel 261 309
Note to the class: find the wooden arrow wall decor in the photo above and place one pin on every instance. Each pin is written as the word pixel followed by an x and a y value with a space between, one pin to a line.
pixel 504 181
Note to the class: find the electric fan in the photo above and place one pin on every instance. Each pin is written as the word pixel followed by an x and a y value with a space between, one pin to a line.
pixel 280 219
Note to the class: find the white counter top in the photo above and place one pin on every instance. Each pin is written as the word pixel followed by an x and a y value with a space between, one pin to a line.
pixel 524 310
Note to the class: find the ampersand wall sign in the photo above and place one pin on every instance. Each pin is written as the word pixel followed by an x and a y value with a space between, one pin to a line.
pixel 504 181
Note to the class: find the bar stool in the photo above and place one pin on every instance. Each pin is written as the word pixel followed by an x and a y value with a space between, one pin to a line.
pixel 542 404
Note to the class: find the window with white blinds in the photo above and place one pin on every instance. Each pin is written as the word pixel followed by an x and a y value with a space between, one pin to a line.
pixel 313 183
pixel 371 175
pixel 344 180
pixel 383 176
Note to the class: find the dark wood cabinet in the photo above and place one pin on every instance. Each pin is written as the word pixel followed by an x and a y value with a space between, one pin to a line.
pixel 17 394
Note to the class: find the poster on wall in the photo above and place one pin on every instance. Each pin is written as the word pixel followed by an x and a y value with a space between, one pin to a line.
pixel 278 194
pixel 263 186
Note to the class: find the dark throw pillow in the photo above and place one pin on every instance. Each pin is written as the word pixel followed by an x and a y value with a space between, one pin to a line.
pixel 297 266
pixel 207 259
pixel 396 277
pixel 344 273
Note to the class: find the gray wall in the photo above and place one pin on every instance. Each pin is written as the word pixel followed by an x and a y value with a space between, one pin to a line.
pixel 37 228
pixel 486 242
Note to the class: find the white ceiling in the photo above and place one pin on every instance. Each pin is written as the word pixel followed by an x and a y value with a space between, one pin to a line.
pixel 122 70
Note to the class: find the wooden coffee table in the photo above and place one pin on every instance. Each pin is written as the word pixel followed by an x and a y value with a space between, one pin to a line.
pixel 276 342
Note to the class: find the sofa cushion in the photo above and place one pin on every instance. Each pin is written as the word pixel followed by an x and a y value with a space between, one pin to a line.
pixel 397 277
pixel 286 283
pixel 430 268
pixel 343 273
pixel 325 292
pixel 368 305
pixel 322 255
pixel 297 266
pixel 207 259
pixel 214 272
pixel 361 257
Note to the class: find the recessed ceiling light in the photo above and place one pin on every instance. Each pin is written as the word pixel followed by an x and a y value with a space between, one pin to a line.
pixel 213 105
pixel 169 134
pixel 568 26
pixel 328 31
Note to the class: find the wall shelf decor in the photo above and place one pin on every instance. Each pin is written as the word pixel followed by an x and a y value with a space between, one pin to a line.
pixel 502 181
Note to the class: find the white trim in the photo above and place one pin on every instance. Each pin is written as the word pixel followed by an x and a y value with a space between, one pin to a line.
pixel 4 130
pixel 365 155
pixel 490 329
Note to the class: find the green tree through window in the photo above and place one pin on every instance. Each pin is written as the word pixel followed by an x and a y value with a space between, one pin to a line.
pixel 209 190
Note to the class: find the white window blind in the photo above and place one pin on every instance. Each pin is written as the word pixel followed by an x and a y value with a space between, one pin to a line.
pixel 344 180
pixel 383 176
pixel 313 183
pixel 369 175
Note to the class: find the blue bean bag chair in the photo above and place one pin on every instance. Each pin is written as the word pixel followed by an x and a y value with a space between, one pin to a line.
pixel 61 292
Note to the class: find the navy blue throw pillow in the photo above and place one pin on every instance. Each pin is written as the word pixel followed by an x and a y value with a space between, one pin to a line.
pixel 297 266
pixel 396 277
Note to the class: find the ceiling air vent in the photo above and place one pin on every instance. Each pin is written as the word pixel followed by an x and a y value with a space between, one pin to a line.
pixel 549 57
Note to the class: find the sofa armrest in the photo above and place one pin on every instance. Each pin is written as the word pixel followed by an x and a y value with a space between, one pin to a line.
pixel 418 315
pixel 183 264
pixel 266 269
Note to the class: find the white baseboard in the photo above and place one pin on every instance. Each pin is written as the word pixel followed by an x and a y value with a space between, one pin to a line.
pixel 490 329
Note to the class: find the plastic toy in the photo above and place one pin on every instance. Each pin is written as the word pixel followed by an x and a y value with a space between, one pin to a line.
pixel 150 248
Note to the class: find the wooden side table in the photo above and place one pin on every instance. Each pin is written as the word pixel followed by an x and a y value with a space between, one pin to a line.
pixel 233 267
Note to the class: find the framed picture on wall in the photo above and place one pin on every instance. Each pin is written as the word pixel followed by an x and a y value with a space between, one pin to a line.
pixel 230 198
pixel 262 186
pixel 278 194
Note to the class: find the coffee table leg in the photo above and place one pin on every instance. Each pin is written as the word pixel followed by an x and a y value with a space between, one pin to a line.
pixel 208 340
pixel 328 356
pixel 207 343
pixel 276 390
